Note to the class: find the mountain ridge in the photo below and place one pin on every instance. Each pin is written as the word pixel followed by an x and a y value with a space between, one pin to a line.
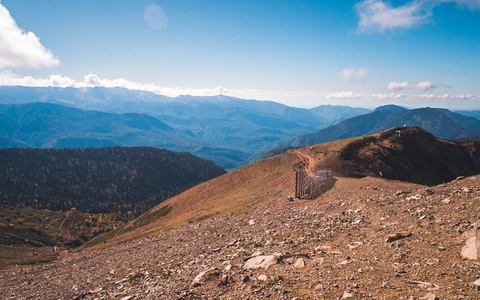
pixel 441 122
pixel 220 122
pixel 45 125
pixel 385 155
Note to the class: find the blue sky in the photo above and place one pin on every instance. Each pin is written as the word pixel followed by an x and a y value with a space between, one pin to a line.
pixel 301 53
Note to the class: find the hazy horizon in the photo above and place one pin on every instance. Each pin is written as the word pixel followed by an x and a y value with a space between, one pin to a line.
pixel 368 53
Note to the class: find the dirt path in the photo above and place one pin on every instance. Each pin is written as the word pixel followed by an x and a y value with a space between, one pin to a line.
pixel 309 160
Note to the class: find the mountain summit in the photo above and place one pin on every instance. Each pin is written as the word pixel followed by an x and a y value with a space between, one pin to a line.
pixel 440 122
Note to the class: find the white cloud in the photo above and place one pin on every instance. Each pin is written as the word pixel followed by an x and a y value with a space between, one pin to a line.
pixel 297 98
pixel 422 85
pixel 19 49
pixel 379 16
pixel 471 4
pixel 398 96
pixel 353 74
pixel 91 80
pixel 369 96
pixel 395 86
pixel 425 85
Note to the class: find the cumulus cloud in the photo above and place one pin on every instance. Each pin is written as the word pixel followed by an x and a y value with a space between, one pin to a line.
pixel 379 16
pixel 19 49
pixel 422 85
pixel 353 74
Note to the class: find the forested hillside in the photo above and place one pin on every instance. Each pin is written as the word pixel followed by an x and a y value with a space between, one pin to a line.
pixel 124 180
pixel 224 129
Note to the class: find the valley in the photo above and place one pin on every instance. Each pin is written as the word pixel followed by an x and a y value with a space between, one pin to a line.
pixel 224 129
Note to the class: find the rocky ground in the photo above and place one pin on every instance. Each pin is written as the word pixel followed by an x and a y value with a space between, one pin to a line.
pixel 365 238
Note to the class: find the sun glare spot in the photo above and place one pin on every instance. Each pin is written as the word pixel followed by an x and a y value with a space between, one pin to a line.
pixel 155 17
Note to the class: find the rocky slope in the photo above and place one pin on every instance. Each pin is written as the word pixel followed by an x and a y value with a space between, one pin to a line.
pixel 365 238
pixel 239 236
pixel 415 156
pixel 403 153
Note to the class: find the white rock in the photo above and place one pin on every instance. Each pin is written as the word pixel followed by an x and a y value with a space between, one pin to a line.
pixel 251 222
pixel 429 296
pixel 425 285
pixel 416 197
pixel 476 282
pixel 323 248
pixel 196 281
pixel 261 261
pixel 470 250
pixel 300 263
pixel 262 277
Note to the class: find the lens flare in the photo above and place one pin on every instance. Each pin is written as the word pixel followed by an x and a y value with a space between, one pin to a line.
pixel 155 17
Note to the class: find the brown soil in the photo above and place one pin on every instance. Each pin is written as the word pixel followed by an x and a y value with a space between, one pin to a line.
pixel 415 156
pixel 367 237
pixel 341 237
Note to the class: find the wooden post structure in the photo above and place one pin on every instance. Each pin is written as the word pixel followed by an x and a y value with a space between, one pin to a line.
pixel 305 185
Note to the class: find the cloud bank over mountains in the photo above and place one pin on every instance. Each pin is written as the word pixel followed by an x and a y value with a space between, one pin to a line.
pixel 9 78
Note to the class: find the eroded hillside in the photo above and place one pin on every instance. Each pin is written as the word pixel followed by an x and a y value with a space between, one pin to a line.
pixel 365 238
pixel 238 236
pixel 406 154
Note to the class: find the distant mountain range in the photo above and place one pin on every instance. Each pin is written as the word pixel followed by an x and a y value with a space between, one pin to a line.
pixel 440 122
pixel 226 130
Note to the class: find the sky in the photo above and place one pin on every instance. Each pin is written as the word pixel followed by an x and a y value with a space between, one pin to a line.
pixel 361 53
